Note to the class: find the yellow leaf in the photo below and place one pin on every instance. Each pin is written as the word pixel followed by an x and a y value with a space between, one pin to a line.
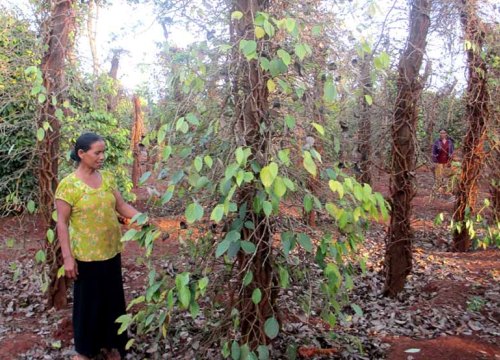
pixel 259 32
pixel 271 85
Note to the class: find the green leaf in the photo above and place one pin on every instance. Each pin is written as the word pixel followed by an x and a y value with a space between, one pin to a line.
pixel 309 163
pixel 162 132
pixel 192 119
pixel 235 351
pixel 248 48
pixel 369 99
pixel 279 187
pixel 248 278
pixel 336 186
pixel 168 195
pixel 166 152
pixel 50 236
pixel 263 352
pixel 125 320
pixel 286 242
pixel 248 246
pixel 139 218
pixel 276 67
pixel 40 134
pixel 290 122
pixel 144 177
pixel 152 290
pixel 181 279
pixel 305 241
pixel 40 256
pixel 208 161
pixel 60 272
pixel 217 213
pixel 264 63
pixel 181 125
pixel 222 247
pixel 271 327
pixel 31 206
pixel 236 15
pixel 291 25
pixel 267 207
pixel 357 309
pixel 308 203
pixel 383 60
pixel 240 156
pixel 300 51
pixel 59 114
pixel 202 283
pixel 194 212
pixel 284 277
pixel 268 174
pixel 129 235
pixel 256 296
pixel 41 98
pixel 285 56
pixel 129 344
pixel 284 156
pixel 319 128
pixel 329 91
pixel 289 184
pixel 184 296
pixel 269 28
pixel 198 163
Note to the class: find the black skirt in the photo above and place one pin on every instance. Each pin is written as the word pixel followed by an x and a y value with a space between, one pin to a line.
pixel 98 301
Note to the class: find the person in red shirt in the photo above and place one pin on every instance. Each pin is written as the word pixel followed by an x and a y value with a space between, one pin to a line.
pixel 442 154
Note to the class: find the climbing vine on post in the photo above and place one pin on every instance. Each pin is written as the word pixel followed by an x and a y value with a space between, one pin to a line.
pixel 61 26
pixel 398 256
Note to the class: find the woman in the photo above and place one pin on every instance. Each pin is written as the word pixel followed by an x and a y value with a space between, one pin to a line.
pixel 87 201
pixel 442 154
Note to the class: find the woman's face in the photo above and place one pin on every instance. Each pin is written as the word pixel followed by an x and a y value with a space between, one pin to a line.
pixel 442 134
pixel 93 157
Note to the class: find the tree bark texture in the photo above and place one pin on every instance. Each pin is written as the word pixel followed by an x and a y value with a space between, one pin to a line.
pixel 398 257
pixel 477 116
pixel 91 33
pixel 113 74
pixel 61 24
pixel 137 132
pixel 252 109
pixel 365 127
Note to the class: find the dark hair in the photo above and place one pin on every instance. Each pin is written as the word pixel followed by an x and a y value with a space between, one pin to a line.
pixel 84 142
pixel 443 129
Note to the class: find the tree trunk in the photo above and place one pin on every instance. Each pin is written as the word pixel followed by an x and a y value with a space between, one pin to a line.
pixel 137 132
pixel 477 115
pixel 92 10
pixel 365 127
pixel 398 257
pixel 60 26
pixel 251 94
pixel 113 73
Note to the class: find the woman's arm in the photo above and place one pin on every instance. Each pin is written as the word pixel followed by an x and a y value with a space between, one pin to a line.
pixel 124 209
pixel 63 214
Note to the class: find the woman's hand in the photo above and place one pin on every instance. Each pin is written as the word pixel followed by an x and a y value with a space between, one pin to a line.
pixel 70 267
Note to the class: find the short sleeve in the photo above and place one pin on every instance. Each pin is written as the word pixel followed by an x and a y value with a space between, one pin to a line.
pixel 110 180
pixel 66 191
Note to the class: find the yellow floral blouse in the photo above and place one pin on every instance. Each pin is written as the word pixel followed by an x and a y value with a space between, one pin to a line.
pixel 94 229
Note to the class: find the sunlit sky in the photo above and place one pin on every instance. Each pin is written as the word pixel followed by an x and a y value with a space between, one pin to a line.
pixel 134 28
pixel 130 27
